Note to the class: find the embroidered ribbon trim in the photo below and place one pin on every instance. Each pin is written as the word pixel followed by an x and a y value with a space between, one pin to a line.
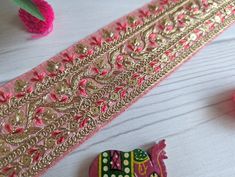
pixel 48 111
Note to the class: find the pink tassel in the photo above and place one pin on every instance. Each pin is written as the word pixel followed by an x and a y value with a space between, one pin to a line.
pixel 35 25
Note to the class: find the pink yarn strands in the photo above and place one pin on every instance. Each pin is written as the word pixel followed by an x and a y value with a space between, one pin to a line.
pixel 34 25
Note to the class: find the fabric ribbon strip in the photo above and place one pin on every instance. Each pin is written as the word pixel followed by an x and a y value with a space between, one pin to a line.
pixel 52 109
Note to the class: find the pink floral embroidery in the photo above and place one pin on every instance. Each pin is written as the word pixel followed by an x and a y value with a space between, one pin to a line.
pixel 119 62
pixel 38 117
pixel 103 104
pixel 57 98
pixel 133 48
pixel 8 128
pixel 198 32
pixel 28 90
pixel 86 54
pixel 152 39
pixel 59 136
pixel 38 77
pixel 78 117
pixel 35 153
pixel 166 2
pixel 13 130
pixel 81 87
pixel 4 97
pixel 170 54
pixel 67 58
pixel 10 170
pixel 122 26
pixel 95 41
pixel 166 27
pixel 155 66
pixel 140 79
pixel 121 90
pixel 193 9
pixel 144 13
pixel 210 24
pixel 83 123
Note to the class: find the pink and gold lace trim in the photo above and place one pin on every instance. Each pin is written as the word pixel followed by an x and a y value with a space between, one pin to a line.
pixel 52 109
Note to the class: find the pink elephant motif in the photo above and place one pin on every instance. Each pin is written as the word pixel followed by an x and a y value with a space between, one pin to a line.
pixel 136 163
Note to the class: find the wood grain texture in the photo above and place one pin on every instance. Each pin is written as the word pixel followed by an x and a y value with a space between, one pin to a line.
pixel 192 109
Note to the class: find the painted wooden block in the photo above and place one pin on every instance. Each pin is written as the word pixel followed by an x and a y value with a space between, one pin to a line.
pixel 136 163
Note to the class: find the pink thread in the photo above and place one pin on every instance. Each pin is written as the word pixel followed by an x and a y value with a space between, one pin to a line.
pixel 35 25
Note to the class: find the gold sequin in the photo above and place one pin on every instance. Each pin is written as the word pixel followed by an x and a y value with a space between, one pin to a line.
pixel 114 96
pixel 53 66
pixel 26 160
pixel 49 143
pixel 20 85
pixel 95 110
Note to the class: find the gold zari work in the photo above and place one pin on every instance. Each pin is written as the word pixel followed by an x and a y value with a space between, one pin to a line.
pixel 75 98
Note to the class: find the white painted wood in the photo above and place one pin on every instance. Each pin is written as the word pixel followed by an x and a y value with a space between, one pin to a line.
pixel 192 109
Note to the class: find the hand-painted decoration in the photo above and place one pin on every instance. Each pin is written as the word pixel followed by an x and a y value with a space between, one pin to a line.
pixel 137 163
pixel 59 104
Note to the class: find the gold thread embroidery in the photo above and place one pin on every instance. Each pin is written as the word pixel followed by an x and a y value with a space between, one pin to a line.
pixel 96 105
pixel 6 109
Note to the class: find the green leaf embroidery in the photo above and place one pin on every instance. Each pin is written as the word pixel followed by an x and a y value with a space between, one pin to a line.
pixel 30 7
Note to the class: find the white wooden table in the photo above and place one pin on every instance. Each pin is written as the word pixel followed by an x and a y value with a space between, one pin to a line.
pixel 192 109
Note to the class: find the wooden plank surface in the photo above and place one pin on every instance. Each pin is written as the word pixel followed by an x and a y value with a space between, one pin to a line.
pixel 192 109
